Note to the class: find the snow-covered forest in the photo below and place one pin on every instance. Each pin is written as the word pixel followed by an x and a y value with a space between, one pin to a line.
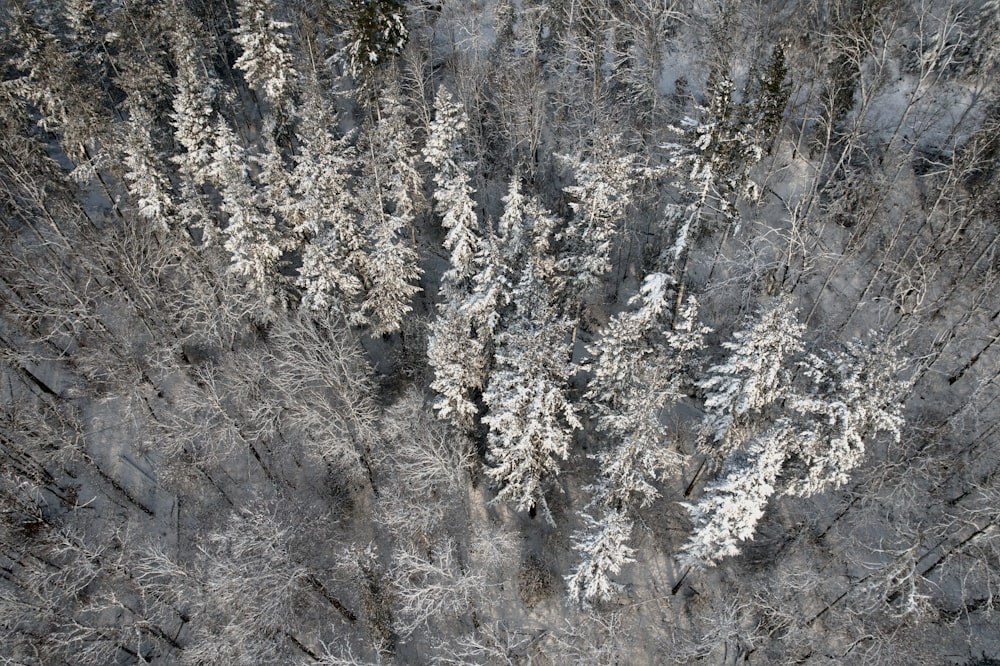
pixel 500 332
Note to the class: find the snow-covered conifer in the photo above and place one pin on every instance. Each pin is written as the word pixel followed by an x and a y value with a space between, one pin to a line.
pixel 59 87
pixel 394 273
pixel 275 179
pixel 731 506
pixel 375 32
pixel 325 216
pixel 460 365
pixel 638 372
pixel 266 60
pixel 605 185
pixel 712 162
pixel 252 236
pixel 755 374
pixel 530 416
pixel 193 113
pixel 627 341
pixel 603 548
pixel 855 393
pixel 389 184
pixel 769 96
pixel 502 257
pixel 459 357
pixel 145 174
pixel 453 192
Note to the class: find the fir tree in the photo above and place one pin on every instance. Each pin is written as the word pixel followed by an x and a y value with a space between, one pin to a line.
pixel 325 217
pixel 453 192
pixel 460 364
pixel 770 102
pixel 730 507
pixel 605 187
pixel 603 549
pixel 146 176
pixel 459 358
pixel 266 59
pixel 754 375
pixel 630 387
pixel 193 116
pixel 854 394
pixel 530 416
pixel 251 234
pixel 375 32
pixel 390 183
pixel 522 237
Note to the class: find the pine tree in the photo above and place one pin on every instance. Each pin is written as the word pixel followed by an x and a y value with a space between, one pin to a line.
pixel 754 375
pixel 530 416
pixel 730 507
pixel 59 87
pixel 603 549
pixel 522 236
pixel 627 341
pixel 266 60
pixel 771 98
pixel 639 367
pixel 855 393
pixel 460 365
pixel 390 183
pixel 325 216
pixel 712 161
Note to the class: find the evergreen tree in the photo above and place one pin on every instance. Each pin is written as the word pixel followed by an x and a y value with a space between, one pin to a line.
pixel 374 33
pixel 638 372
pixel 390 183
pixel 522 236
pixel 266 60
pixel 193 116
pixel 730 507
pixel 444 151
pixel 628 392
pixel 458 356
pixel 770 98
pixel 603 551
pixel 60 89
pixel 325 216
pixel 754 375
pixel 854 394
pixel 530 416
pixel 146 176
pixel 712 162
pixel 460 364
pixel 251 234
pixel 606 181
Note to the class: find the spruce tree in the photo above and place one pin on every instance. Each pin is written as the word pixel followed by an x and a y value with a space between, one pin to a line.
pixel 731 506
pixel 390 183
pixel 458 356
pixel 854 394
pixel 530 416
pixel 603 549
pixel 755 374
pixel 266 59
pixel 324 216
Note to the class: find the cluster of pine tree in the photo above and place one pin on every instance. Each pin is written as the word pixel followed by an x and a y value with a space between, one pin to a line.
pixel 312 309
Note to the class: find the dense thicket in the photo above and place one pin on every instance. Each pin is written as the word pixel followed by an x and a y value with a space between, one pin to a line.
pixel 589 331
